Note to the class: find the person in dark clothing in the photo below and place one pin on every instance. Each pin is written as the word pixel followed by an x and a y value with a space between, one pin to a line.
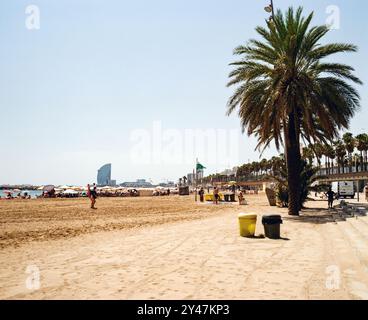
pixel 216 195
pixel 233 188
pixel 201 195
pixel 330 197
pixel 92 194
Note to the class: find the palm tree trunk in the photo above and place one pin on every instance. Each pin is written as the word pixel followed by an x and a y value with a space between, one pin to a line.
pixel 293 158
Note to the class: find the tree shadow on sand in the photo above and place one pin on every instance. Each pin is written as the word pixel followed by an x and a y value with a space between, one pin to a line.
pixel 319 216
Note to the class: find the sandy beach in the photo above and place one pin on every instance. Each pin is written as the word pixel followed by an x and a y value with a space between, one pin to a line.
pixel 173 248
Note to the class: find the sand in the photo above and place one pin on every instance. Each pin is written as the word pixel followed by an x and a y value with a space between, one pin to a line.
pixel 180 250
pixel 23 221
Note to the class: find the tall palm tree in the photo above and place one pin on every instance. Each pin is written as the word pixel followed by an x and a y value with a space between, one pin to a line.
pixel 285 91
pixel 275 164
pixel 331 155
pixel 362 146
pixel 264 166
pixel 349 142
pixel 355 161
pixel 318 149
pixel 327 163
pixel 340 154
pixel 307 154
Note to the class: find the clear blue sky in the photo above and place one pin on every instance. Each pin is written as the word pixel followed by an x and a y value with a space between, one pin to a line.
pixel 74 91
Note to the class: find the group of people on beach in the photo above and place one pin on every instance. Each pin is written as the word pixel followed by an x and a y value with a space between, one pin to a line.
pixel 92 195
pixel 216 195
pixel 9 196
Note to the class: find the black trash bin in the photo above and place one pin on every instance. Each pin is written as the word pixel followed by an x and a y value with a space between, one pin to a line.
pixel 232 197
pixel 271 225
pixel 226 197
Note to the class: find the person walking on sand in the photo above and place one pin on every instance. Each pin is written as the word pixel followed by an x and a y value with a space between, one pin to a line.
pixel 240 197
pixel 89 195
pixel 92 195
pixel 215 195
pixel 330 198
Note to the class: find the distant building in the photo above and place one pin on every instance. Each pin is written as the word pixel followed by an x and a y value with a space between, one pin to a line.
pixel 167 184
pixel 104 175
pixel 140 183
pixel 229 172
pixel 191 178
pixel 113 183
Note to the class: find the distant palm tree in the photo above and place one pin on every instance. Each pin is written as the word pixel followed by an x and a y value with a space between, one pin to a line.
pixel 307 154
pixel 331 155
pixel 362 146
pixel 264 165
pixel 285 91
pixel 318 149
pixel 340 154
pixel 349 142
pixel 355 161
pixel 275 164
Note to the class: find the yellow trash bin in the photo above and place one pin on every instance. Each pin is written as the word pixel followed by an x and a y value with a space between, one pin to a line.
pixel 247 224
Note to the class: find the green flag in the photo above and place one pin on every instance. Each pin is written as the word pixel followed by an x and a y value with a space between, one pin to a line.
pixel 200 166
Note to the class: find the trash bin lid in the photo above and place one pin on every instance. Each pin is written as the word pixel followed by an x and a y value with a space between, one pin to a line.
pixel 271 219
pixel 247 216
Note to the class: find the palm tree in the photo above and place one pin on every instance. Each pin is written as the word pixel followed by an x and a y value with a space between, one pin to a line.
pixel 324 153
pixel 307 178
pixel 275 164
pixel 318 149
pixel 349 142
pixel 355 161
pixel 340 153
pixel 285 91
pixel 307 154
pixel 362 146
pixel 331 155
pixel 264 165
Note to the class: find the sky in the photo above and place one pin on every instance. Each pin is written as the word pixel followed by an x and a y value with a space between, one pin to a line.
pixel 139 84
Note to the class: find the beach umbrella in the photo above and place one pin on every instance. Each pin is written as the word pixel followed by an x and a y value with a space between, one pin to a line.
pixel 40 188
pixel 70 191
pixel 76 188
pixel 48 188
pixel 232 183
pixel 16 190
